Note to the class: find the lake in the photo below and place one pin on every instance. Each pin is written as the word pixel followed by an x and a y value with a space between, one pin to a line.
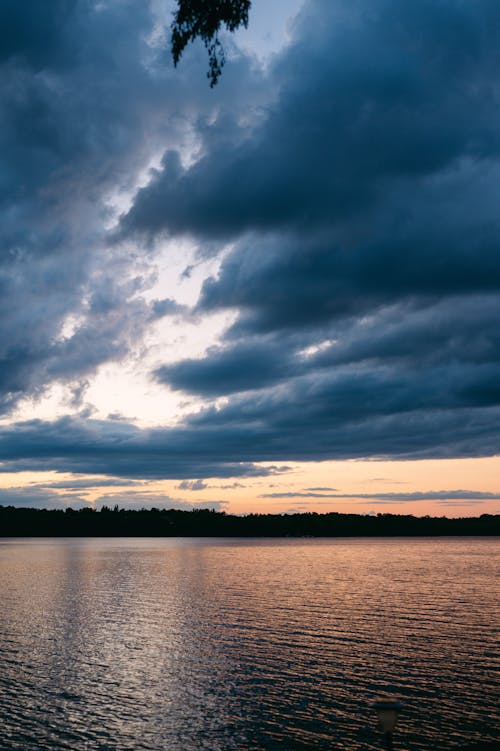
pixel 226 644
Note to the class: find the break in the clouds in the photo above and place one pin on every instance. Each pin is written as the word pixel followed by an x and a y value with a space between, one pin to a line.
pixel 89 98
pixel 348 193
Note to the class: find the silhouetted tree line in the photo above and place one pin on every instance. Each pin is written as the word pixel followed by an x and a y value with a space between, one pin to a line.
pixel 116 522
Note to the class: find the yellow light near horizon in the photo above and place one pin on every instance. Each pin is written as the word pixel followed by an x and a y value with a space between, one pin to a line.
pixel 306 487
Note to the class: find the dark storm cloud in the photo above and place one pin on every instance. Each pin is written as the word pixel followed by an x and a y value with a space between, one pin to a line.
pixel 75 444
pixel 34 33
pixel 289 283
pixel 365 268
pixel 342 410
pixel 370 96
pixel 61 105
pixel 448 348
pixel 87 100
pixel 230 442
pixel 458 329
pixel 248 365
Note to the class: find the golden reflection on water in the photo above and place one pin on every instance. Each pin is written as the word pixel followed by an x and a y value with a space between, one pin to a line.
pixel 247 644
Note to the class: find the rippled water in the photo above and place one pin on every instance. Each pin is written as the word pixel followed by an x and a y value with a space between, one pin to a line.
pixel 189 644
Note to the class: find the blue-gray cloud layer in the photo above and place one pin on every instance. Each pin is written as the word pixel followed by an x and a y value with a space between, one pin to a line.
pixel 88 98
pixel 373 101
pixel 214 442
pixel 365 269
pixel 361 207
pixel 449 496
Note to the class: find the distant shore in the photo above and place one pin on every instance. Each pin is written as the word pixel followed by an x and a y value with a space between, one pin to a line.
pixel 116 522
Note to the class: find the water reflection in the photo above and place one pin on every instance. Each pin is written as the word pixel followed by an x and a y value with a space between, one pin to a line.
pixel 218 644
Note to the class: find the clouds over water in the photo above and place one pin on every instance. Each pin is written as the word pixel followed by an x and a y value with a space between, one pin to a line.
pixel 356 181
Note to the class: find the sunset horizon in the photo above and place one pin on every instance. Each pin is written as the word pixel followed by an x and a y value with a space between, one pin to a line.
pixel 275 294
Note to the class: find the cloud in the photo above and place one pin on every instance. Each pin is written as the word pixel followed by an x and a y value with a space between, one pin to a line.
pixel 120 449
pixel 246 366
pixel 377 98
pixel 167 307
pixel 39 42
pixel 192 485
pixel 233 442
pixel 470 503
pixel 298 494
pixel 85 484
pixel 443 497
pixel 61 156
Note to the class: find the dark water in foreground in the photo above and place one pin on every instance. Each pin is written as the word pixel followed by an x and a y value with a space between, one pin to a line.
pixel 188 644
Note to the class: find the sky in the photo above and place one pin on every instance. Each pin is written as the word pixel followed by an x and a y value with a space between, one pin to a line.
pixel 278 294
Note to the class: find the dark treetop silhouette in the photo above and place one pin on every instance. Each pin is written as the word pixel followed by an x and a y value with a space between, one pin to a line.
pixel 203 19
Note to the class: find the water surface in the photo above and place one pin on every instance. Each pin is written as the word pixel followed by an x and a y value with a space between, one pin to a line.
pixel 262 645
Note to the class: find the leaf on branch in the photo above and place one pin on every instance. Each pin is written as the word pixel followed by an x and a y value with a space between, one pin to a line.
pixel 204 19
